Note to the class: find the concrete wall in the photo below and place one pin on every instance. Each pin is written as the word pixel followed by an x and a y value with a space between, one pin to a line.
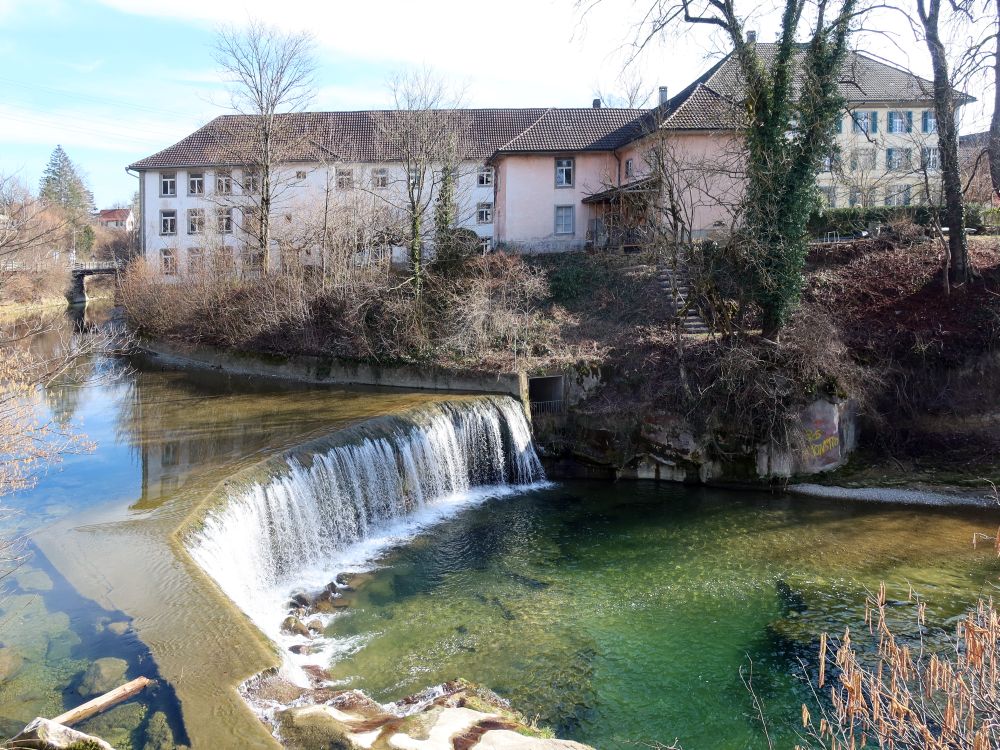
pixel 332 371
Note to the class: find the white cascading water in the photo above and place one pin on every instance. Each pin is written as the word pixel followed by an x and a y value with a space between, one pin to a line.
pixel 372 487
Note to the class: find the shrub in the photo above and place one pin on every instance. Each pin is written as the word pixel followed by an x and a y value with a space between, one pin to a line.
pixel 849 220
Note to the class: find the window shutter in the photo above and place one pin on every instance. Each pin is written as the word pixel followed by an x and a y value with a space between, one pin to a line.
pixel 909 122
pixel 891 121
pixel 923 121
pixel 874 122
pixel 840 124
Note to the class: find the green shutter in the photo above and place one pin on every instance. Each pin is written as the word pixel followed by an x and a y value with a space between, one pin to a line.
pixel 873 128
pixel 909 122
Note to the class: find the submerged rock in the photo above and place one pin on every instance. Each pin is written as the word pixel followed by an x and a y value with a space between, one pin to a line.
pixel 158 733
pixel 118 628
pixel 33 579
pixel 103 675
pixel 119 725
pixel 10 663
pixel 42 734
pixel 315 727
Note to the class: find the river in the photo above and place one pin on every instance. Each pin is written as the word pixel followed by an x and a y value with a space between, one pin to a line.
pixel 617 613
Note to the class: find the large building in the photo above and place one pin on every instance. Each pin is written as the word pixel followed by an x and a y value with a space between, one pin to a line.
pixel 532 180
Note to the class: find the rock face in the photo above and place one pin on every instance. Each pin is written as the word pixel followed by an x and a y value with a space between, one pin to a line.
pixel 454 716
pixel 103 675
pixel 42 734
pixel 667 447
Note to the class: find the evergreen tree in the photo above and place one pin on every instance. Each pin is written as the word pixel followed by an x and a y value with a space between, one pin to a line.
pixel 63 186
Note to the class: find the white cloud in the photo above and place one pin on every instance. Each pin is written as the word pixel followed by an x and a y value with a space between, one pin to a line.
pixel 525 52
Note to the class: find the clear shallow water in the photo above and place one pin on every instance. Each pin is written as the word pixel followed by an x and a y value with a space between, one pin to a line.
pixel 622 614
pixel 616 613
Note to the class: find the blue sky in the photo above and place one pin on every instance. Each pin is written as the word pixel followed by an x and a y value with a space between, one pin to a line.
pixel 115 80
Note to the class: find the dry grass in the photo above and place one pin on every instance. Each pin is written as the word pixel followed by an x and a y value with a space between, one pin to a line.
pixel 906 698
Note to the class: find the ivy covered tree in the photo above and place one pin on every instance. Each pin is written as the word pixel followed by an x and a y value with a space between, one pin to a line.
pixel 63 186
pixel 790 104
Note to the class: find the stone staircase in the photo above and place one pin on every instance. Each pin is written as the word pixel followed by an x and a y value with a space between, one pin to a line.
pixel 671 279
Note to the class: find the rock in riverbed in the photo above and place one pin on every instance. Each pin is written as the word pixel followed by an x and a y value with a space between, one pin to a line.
pixel 454 716
pixel 293 626
pixel 103 675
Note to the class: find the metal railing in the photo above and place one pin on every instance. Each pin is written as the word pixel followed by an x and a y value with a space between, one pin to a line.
pixel 547 407
pixel 97 265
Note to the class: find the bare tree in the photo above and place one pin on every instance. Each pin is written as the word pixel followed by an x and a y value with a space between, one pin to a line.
pixel 787 132
pixel 425 133
pixel 271 73
pixel 993 147
pixel 929 12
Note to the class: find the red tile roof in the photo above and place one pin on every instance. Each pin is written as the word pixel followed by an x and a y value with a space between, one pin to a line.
pixel 114 214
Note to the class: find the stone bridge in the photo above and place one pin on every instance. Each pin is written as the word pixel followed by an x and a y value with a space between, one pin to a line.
pixel 77 291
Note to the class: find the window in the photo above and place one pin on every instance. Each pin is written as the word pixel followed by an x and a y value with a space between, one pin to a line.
pixel 862 159
pixel 168 222
pixel 196 183
pixel 865 122
pixel 829 161
pixel 251 181
pixel 484 176
pixel 565 220
pixel 628 168
pixel 840 125
pixel 168 261
pixel 484 213
pixel 897 158
pixel 897 195
pixel 858 197
pixel 930 158
pixel 168 184
pixel 300 175
pixel 196 220
pixel 225 220
pixel 928 121
pixel 224 183
pixel 828 195
pixel 345 179
pixel 900 122
pixel 485 244
pixel 380 178
pixel 564 172
pixel 196 260
pixel 416 177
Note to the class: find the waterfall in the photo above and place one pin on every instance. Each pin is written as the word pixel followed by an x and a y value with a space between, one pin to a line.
pixel 335 505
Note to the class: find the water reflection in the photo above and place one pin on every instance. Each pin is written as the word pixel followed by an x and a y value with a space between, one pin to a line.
pixel 102 524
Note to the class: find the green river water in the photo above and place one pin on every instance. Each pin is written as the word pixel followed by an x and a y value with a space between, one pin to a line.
pixel 618 614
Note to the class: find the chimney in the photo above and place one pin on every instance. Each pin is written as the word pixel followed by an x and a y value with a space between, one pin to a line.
pixel 751 37
pixel 596 104
pixel 664 95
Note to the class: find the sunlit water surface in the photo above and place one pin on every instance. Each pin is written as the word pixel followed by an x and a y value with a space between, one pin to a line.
pixel 618 614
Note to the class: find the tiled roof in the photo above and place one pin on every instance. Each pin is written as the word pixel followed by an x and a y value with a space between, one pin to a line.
pixel 863 79
pixel 591 129
pixel 113 214
pixel 347 136
pixel 709 103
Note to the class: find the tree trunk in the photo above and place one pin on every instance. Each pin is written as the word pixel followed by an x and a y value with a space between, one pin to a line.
pixel 415 250
pixel 947 132
pixel 994 143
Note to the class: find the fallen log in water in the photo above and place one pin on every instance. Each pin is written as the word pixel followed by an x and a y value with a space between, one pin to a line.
pixel 103 702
